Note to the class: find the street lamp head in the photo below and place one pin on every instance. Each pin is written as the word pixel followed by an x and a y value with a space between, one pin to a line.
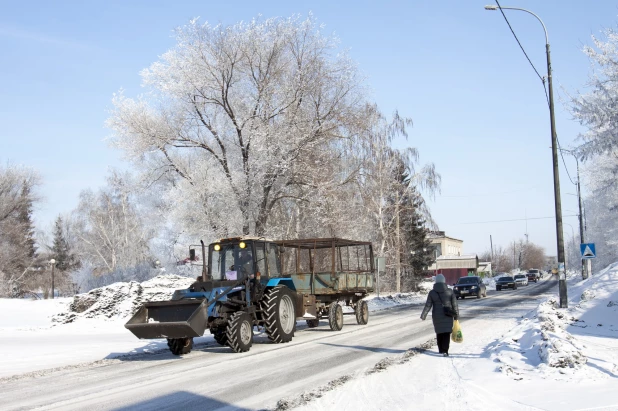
pixel 52 261
pixel 491 7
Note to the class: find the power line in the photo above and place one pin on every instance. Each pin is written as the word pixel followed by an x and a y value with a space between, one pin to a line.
pixel 493 194
pixel 518 219
pixel 524 51
pixel 564 162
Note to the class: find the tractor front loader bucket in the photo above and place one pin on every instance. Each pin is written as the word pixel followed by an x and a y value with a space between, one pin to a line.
pixel 169 319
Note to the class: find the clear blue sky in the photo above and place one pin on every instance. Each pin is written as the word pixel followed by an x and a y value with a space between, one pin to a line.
pixel 479 110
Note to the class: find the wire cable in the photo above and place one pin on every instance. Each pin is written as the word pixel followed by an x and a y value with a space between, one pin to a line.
pixel 524 51
pixel 564 162
pixel 518 219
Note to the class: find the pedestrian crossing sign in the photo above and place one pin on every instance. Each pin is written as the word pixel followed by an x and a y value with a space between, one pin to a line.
pixel 588 250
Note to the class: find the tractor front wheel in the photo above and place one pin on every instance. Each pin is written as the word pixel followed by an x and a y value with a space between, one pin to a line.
pixel 279 314
pixel 180 346
pixel 239 332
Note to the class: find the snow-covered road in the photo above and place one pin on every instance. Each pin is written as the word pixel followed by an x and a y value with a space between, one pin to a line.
pixel 212 377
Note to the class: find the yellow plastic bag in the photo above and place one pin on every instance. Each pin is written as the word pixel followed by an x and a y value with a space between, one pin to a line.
pixel 456 335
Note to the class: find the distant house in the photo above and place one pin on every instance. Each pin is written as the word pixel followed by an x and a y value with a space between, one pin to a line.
pixel 484 268
pixel 455 266
pixel 450 260
pixel 444 245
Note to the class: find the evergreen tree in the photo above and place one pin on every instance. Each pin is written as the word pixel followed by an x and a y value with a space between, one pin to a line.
pixel 24 220
pixel 61 251
pixel 416 252
pixel 421 253
pixel 22 234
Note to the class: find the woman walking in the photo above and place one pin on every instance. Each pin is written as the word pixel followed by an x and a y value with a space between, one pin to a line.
pixel 438 298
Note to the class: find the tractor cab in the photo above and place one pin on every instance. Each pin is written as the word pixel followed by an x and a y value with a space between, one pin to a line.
pixel 236 259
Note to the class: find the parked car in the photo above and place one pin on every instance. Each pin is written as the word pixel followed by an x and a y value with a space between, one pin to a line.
pixel 505 282
pixel 471 285
pixel 521 279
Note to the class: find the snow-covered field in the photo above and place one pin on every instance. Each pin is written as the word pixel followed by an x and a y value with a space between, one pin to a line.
pixel 529 356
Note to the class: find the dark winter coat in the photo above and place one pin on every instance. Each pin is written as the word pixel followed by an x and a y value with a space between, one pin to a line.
pixel 441 293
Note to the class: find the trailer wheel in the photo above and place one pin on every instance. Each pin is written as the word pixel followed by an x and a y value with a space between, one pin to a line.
pixel 180 346
pixel 335 316
pixel 362 312
pixel 279 314
pixel 313 323
pixel 239 332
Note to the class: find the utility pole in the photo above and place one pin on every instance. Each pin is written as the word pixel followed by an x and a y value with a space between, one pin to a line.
pixel 585 272
pixel 562 286
pixel 514 255
pixel 491 244
pixel 398 248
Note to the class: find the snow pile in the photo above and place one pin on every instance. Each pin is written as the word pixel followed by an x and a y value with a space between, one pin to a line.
pixel 121 300
pixel 556 342
pixel 539 345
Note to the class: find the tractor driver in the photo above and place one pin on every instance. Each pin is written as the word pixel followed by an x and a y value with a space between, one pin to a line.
pixel 244 263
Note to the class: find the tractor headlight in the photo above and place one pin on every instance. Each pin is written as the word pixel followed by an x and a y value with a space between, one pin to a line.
pixel 217 247
pixel 242 244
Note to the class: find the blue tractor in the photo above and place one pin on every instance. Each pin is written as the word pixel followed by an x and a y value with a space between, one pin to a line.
pixel 253 282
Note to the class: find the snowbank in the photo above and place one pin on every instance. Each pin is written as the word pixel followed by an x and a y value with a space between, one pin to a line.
pixel 556 343
pixel 121 300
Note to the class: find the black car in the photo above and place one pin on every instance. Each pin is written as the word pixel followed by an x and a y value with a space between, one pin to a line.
pixel 470 286
pixel 505 282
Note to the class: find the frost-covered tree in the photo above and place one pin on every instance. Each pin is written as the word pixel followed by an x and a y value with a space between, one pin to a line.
pixel 233 117
pixel 18 254
pixel 384 196
pixel 61 251
pixel 109 228
pixel 598 109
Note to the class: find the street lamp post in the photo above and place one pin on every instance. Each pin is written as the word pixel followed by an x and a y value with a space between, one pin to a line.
pixel 554 148
pixel 52 262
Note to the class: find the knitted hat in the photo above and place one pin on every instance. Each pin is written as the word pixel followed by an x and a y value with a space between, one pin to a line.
pixel 440 278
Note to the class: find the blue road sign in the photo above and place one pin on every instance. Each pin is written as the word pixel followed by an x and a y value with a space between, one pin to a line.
pixel 588 250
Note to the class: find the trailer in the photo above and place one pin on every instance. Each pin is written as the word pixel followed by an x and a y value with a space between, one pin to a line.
pixel 250 282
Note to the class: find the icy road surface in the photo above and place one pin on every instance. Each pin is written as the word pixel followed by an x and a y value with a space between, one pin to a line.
pixel 212 377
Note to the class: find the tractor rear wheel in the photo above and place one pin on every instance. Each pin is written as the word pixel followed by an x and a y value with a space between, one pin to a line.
pixel 279 314
pixel 335 316
pixel 239 332
pixel 180 346
pixel 362 312
pixel 313 323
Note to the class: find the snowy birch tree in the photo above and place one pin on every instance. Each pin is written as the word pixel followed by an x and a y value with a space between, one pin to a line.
pixel 109 229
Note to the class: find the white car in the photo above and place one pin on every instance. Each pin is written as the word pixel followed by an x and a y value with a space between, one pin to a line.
pixel 521 279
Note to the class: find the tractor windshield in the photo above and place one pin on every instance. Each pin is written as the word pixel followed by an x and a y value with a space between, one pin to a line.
pixel 231 262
